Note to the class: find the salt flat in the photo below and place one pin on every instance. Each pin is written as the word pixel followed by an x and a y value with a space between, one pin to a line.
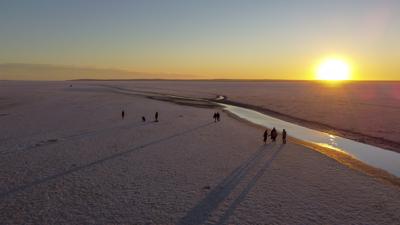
pixel 340 108
pixel 67 157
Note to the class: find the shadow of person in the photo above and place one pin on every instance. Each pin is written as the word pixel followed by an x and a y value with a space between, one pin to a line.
pixel 97 162
pixel 201 212
pixel 224 218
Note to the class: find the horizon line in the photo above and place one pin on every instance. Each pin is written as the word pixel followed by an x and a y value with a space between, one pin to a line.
pixel 216 79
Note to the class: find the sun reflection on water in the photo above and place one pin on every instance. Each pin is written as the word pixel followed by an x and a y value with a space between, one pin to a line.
pixel 333 148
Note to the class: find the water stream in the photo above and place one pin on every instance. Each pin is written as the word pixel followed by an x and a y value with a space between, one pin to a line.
pixel 371 155
pixel 368 154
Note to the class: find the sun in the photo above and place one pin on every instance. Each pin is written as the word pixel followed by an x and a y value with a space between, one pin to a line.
pixel 333 70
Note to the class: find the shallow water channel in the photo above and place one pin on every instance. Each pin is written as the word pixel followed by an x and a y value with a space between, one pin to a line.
pixel 371 155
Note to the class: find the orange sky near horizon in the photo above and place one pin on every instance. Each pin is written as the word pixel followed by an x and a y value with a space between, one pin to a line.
pixel 203 39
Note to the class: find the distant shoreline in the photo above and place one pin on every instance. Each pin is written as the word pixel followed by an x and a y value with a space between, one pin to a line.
pixel 240 80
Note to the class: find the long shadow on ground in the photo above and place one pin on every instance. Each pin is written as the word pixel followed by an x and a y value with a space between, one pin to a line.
pixel 202 211
pixel 77 136
pixel 224 218
pixel 97 162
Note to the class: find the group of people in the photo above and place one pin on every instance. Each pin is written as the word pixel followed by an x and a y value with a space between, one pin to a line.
pixel 274 135
pixel 216 117
pixel 143 117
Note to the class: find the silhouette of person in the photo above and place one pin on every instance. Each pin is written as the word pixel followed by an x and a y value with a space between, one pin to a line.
pixel 156 117
pixel 218 116
pixel 274 134
pixel 123 114
pixel 284 136
pixel 215 117
pixel 265 136
pixel 143 119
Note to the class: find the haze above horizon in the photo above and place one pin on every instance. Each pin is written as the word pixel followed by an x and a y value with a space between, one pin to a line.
pixel 197 39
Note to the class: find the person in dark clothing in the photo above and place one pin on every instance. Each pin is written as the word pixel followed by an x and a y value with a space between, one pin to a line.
pixel 284 136
pixel 218 116
pixel 156 117
pixel 215 117
pixel 265 136
pixel 123 114
pixel 143 119
pixel 274 134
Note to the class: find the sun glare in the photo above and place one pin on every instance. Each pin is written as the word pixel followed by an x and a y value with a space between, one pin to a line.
pixel 333 70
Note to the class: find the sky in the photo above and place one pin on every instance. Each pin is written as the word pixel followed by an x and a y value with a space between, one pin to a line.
pixel 204 39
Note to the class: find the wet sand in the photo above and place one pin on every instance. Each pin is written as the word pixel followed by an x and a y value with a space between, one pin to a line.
pixel 68 157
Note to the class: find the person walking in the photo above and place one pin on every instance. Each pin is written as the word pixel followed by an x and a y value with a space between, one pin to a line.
pixel 218 116
pixel 265 136
pixel 143 119
pixel 274 134
pixel 284 136
pixel 123 114
pixel 215 117
pixel 156 117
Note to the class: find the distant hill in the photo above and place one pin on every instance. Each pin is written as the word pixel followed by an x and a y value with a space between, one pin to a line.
pixel 22 71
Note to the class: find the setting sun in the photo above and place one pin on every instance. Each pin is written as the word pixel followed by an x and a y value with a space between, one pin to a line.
pixel 333 69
